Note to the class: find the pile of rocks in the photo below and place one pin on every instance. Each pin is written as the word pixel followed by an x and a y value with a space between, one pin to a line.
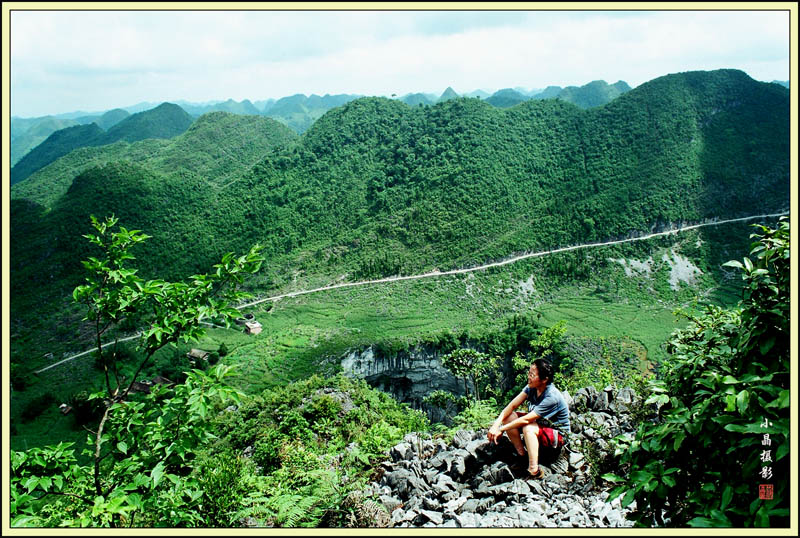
pixel 474 483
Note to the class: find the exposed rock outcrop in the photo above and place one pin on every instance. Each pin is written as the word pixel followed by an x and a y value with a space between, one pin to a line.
pixel 474 483
pixel 408 376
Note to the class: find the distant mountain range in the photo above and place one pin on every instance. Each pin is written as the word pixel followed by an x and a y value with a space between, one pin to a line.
pixel 298 112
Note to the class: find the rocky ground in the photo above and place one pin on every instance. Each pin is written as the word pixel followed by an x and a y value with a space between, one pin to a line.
pixel 473 483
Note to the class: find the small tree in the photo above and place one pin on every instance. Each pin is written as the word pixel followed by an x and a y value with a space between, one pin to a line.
pixel 470 365
pixel 140 449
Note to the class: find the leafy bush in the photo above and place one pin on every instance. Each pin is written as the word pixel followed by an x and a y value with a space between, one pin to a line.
pixel 222 478
pixel 267 450
pixel 723 421
pixel 311 454
pixel 478 414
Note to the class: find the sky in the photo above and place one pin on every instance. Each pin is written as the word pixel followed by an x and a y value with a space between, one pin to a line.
pixel 93 61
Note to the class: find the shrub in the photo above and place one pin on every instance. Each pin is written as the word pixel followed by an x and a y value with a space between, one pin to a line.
pixel 267 450
pixel 477 415
pixel 221 478
pixel 723 422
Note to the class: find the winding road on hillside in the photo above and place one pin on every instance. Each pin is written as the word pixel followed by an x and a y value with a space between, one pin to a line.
pixel 460 271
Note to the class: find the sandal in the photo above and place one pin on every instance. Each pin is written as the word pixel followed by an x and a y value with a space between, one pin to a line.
pixel 539 474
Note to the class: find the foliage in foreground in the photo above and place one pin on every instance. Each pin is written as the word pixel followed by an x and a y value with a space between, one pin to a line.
pixel 723 426
pixel 142 449
pixel 314 443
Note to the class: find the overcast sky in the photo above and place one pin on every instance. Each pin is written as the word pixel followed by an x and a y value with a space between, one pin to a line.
pixel 64 61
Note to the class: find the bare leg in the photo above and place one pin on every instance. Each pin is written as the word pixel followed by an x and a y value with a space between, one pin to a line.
pixel 532 443
pixel 515 435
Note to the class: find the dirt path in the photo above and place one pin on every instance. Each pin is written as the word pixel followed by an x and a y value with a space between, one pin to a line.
pixel 458 271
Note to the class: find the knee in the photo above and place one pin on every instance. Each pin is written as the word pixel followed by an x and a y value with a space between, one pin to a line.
pixel 532 428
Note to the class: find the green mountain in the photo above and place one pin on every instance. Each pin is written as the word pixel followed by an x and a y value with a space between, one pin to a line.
pixel 264 104
pixel 234 107
pixel 594 94
pixel 298 111
pixel 57 145
pixel 506 98
pixel 478 93
pixel 376 187
pixel 164 121
pixel 218 147
pixel 414 99
pixel 111 118
pixel 548 93
pixel 27 133
pixel 448 94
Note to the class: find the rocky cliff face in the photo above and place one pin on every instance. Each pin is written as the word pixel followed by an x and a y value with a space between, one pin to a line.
pixel 473 483
pixel 408 376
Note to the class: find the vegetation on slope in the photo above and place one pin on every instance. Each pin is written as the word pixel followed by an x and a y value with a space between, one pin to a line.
pixel 722 431
pixel 217 148
pixel 377 188
pixel 164 121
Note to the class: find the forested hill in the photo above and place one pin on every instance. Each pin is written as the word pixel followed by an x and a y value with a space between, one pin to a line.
pixel 218 147
pixel 377 187
pixel 462 181
pixel 164 121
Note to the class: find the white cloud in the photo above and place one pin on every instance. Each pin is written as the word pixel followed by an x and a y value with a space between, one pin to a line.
pixel 62 61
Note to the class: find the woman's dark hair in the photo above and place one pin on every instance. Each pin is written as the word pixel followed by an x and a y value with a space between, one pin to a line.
pixel 544 369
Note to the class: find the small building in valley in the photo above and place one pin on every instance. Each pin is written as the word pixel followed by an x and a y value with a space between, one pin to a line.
pixel 252 327
pixel 197 354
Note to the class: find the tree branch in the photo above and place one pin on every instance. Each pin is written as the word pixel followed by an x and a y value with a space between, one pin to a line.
pixel 97 458
pixel 84 499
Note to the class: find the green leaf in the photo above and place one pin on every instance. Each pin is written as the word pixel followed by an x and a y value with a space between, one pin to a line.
pixel 122 446
pixel 730 401
pixel 679 437
pixel 700 522
pixel 766 344
pixel 782 401
pixel 31 483
pixel 742 401
pixel 628 498
pixel 157 473
pixel 749 428
pixel 762 517
pixel 727 495
pixel 720 519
